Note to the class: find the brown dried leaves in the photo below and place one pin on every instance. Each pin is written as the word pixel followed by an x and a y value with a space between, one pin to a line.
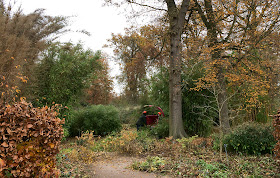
pixel 29 139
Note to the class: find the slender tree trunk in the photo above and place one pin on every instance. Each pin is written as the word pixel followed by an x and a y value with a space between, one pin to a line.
pixel 223 103
pixel 221 84
pixel 177 22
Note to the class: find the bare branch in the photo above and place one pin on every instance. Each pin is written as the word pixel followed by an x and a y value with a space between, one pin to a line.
pixel 145 5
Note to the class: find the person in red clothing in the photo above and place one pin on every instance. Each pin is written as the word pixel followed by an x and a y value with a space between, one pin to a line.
pixel 142 121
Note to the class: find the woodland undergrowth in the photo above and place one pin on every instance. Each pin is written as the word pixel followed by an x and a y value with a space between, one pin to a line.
pixel 193 156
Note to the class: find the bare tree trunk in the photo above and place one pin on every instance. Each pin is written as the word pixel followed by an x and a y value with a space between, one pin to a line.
pixel 177 22
pixel 223 103
pixel 175 93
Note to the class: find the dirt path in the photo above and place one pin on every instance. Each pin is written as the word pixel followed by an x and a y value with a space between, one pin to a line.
pixel 118 167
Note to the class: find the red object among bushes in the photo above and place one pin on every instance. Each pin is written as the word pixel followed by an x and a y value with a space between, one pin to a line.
pixel 153 118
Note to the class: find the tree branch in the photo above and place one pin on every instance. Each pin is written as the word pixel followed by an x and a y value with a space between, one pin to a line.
pixel 145 5
pixel 203 17
pixel 233 23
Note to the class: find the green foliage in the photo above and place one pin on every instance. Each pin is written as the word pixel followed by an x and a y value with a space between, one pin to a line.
pixel 251 139
pixel 196 114
pixel 186 142
pixel 216 141
pixel 129 114
pixel 151 164
pixel 159 91
pixel 65 133
pixel 212 169
pixel 262 115
pixel 63 73
pixel 161 130
pixel 98 118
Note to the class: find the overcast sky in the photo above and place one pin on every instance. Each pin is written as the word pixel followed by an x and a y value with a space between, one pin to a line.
pixel 89 15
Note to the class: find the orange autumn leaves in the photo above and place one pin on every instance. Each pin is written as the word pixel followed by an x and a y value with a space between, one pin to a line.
pixel 29 140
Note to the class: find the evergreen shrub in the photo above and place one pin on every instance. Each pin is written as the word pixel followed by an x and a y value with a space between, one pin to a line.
pixel 161 130
pixel 98 118
pixel 251 138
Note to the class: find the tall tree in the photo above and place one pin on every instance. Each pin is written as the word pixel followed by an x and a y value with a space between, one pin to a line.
pixel 137 51
pixel 100 89
pixel 235 29
pixel 22 38
pixel 176 16
pixel 177 12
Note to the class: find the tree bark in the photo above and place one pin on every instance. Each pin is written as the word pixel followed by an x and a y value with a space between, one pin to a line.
pixel 177 22
pixel 223 103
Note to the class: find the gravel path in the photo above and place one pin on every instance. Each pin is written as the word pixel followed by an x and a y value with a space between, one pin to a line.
pixel 118 167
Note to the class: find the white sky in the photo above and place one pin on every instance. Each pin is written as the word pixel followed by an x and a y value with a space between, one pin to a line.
pixel 91 16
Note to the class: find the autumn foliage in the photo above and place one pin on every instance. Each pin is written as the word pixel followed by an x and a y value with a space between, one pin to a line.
pixel 277 134
pixel 29 140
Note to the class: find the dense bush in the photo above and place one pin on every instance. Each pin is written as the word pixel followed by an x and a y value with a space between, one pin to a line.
pixel 64 71
pixel 98 118
pixel 161 130
pixel 251 138
pixel 29 140
pixel 130 114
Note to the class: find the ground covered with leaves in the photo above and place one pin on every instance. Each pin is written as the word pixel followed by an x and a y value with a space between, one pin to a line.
pixel 188 157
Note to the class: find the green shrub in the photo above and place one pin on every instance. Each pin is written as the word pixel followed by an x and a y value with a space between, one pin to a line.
pixel 130 114
pixel 152 164
pixel 251 139
pixel 161 130
pixel 98 118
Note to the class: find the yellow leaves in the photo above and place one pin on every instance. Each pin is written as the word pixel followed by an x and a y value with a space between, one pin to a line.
pixel 22 98
pixel 23 78
pixel 12 58
pixel 51 145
